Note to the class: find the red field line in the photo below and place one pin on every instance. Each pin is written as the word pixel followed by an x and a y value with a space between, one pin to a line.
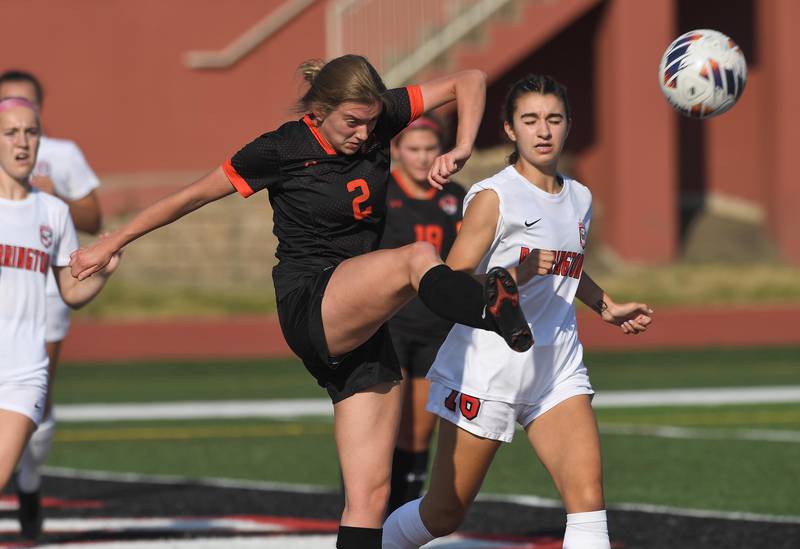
pixel 257 336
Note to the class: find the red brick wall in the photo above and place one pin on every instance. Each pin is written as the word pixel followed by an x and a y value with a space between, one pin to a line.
pixel 116 82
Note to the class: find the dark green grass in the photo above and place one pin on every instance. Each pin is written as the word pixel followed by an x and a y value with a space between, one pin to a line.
pixel 168 381
pixel 761 416
pixel 296 452
pixel 729 475
pixel 694 368
pixel 725 474
pixel 288 378
pixel 708 474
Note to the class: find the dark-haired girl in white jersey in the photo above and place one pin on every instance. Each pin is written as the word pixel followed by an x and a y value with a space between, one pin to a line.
pixel 531 217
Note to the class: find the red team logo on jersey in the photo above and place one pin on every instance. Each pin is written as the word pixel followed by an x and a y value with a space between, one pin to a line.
pixel 46 235
pixel 582 233
pixel 448 204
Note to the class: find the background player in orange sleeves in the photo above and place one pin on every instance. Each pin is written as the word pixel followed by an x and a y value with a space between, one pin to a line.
pixel 534 221
pixel 417 212
pixel 326 175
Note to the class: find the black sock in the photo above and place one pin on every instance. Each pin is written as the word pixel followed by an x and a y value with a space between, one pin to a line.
pixel 455 296
pixel 352 537
pixel 409 471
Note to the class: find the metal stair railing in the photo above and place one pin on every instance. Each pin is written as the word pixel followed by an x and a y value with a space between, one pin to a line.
pixel 248 41
pixel 402 37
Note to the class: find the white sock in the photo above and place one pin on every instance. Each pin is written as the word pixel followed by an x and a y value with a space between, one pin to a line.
pixel 404 528
pixel 29 476
pixel 587 531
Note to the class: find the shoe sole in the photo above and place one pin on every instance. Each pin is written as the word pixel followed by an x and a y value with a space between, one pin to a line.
pixel 502 302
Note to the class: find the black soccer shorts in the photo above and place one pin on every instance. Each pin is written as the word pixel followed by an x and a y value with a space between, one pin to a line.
pixel 372 363
pixel 416 351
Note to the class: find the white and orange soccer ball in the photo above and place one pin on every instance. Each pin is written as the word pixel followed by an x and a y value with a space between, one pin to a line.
pixel 702 73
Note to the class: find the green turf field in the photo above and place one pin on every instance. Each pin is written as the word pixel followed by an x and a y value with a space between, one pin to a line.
pixel 287 378
pixel 714 469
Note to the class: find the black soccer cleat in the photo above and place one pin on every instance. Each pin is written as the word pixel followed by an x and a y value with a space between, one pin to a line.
pixel 502 306
pixel 29 514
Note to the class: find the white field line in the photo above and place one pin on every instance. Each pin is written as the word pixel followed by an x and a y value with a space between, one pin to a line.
pixel 182 524
pixel 211 409
pixel 455 541
pixel 277 542
pixel 697 397
pixel 294 408
pixel 526 500
pixel 172 480
pixel 666 431
pixel 536 501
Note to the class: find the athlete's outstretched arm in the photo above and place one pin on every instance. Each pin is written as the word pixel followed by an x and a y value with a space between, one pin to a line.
pixel 77 293
pixel 209 188
pixel 468 90
pixel 632 318
pixel 476 235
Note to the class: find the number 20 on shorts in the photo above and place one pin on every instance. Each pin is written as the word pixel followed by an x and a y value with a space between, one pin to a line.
pixel 468 405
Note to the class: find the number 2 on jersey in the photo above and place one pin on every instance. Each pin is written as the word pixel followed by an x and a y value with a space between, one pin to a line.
pixel 361 185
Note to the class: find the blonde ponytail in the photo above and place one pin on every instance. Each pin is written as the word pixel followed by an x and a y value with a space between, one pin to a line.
pixel 310 68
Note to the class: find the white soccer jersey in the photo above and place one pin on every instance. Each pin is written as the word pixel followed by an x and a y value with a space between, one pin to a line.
pixel 63 162
pixel 479 363
pixel 35 234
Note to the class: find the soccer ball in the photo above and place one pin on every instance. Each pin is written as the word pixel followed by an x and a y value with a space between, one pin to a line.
pixel 702 73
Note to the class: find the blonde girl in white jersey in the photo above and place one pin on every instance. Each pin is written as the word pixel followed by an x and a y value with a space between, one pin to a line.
pixel 533 221
pixel 62 171
pixel 36 235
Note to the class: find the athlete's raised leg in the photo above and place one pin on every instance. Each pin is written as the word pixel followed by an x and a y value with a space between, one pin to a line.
pixel 366 290
pixel 567 442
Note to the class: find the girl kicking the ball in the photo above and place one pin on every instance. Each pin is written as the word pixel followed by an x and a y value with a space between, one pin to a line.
pixel 326 175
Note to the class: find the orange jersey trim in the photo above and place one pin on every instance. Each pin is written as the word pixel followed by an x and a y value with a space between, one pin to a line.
pixel 407 189
pixel 415 98
pixel 318 135
pixel 236 180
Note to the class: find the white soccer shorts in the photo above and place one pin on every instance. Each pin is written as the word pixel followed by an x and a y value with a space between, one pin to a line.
pixel 497 420
pixel 24 398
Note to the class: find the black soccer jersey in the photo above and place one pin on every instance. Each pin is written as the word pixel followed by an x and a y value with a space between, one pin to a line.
pixel 435 219
pixel 327 207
